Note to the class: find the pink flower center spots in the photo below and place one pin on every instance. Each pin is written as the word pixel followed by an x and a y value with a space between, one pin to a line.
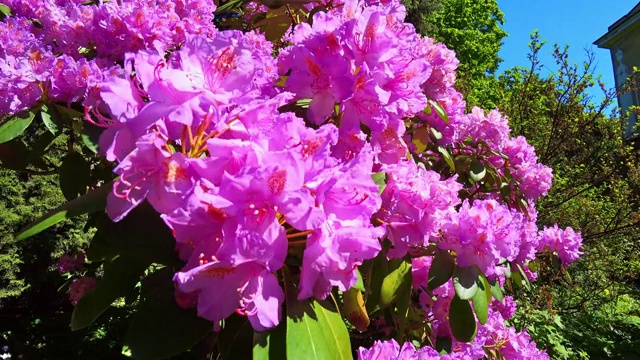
pixel 226 62
pixel 277 181
pixel 175 172
pixel 217 272
pixel 215 213
pixel 310 146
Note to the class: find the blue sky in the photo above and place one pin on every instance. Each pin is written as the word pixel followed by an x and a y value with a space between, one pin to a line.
pixel 572 22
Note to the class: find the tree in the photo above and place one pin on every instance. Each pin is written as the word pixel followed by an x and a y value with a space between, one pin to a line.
pixel 473 29
pixel 596 190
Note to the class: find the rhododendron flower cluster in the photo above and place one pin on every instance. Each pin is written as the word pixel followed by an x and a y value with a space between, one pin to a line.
pixel 263 166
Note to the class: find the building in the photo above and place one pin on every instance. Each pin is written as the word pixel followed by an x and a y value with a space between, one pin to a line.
pixel 623 41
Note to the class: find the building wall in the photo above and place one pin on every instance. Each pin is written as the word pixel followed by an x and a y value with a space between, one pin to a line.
pixel 625 54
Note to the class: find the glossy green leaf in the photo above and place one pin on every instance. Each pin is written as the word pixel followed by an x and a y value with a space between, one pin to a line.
pixel 465 281
pixel 160 329
pixel 442 113
pixel 315 331
pixel 269 345
pixel 482 299
pixel 15 126
pixel 461 320
pixel 51 119
pixel 74 175
pixel 91 136
pixel 119 276
pixel 477 171
pixel 397 282
pixel 94 201
pixel 359 283
pixel 441 269
pixel 447 157
pixel 496 292
pixel 379 179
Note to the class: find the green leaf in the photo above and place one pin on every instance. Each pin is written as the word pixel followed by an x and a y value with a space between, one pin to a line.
pixel 482 299
pixel 120 275
pixel 441 269
pixel 379 179
pixel 230 5
pixel 303 103
pixel 496 291
pixel 354 309
pixel 359 283
pixel 14 155
pixel 397 282
pixel 15 126
pixel 402 309
pixel 160 329
pixel 141 231
pixel 314 330
pixel 477 171
pixel 90 136
pixel 5 11
pixel 442 113
pixel 525 278
pixel 95 200
pixel 447 157
pixel 465 281
pixel 379 270
pixel 51 119
pixel 235 338
pixel 461 320
pixel 270 344
pixel 74 175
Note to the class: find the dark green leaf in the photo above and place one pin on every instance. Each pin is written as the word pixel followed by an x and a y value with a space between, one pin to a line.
pixel 447 157
pixel 142 231
pixel 160 329
pixel 314 330
pixel 379 270
pixel 396 283
pixel 230 5
pixel 525 278
pixel 402 309
pixel 496 291
pixel 465 281
pixel 90 136
pixel 15 126
pixel 482 299
pixel 441 269
pixel 442 113
pixel 235 338
pixel 120 275
pixel 443 345
pixel 51 119
pixel 74 175
pixel 461 320
pixel 14 155
pixel 95 200
pixel 478 171
pixel 270 344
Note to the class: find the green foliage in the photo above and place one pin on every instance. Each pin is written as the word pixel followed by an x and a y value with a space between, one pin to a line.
pixel 473 29
pixel 596 190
